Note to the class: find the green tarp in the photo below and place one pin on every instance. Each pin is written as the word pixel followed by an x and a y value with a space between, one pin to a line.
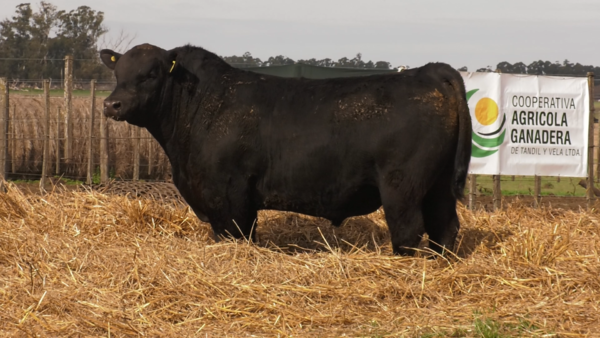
pixel 313 72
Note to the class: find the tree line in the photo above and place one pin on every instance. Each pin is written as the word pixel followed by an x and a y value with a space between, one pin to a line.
pixel 247 61
pixel 540 67
pixel 33 45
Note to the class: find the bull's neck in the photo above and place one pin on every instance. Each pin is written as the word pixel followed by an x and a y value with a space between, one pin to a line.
pixel 181 104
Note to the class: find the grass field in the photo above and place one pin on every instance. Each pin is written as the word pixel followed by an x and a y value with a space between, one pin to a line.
pixel 60 92
pixel 81 263
pixel 524 185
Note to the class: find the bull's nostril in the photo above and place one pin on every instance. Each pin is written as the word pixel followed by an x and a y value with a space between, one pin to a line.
pixel 116 105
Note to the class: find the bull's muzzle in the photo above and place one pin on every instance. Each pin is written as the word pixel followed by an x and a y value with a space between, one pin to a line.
pixel 112 109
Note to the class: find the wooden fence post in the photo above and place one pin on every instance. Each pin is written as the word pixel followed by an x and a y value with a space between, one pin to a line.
pixel 590 179
pixel 598 155
pixel 46 135
pixel 4 132
pixel 150 153
pixel 57 143
pixel 537 191
pixel 90 164
pixel 104 177
pixel 136 153
pixel 13 149
pixel 68 107
pixel 592 129
pixel 472 191
pixel 497 187
pixel 497 191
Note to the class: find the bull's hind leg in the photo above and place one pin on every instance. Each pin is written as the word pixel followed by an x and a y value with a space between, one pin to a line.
pixel 404 218
pixel 439 215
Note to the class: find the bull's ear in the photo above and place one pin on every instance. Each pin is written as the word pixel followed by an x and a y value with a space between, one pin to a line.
pixel 172 60
pixel 109 58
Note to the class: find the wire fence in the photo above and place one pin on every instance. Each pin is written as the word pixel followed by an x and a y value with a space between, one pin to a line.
pixel 26 133
pixel 24 87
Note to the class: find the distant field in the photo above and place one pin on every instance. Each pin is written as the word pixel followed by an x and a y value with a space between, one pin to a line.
pixel 60 92
pixel 524 185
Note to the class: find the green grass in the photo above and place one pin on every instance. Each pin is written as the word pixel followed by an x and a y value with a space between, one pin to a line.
pixel 68 181
pixel 63 180
pixel 485 327
pixel 489 328
pixel 524 185
pixel 60 92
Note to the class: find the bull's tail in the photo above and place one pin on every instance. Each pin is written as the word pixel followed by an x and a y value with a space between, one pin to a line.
pixel 463 148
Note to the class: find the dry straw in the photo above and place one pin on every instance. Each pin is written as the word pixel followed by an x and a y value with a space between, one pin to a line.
pixel 81 263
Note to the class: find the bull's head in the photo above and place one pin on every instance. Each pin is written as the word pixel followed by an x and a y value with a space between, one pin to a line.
pixel 141 76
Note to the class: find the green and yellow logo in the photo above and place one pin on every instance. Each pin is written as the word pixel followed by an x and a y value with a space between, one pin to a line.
pixel 486 113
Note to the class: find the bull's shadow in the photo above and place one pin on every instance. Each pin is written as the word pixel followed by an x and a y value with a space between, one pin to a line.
pixel 290 232
pixel 469 239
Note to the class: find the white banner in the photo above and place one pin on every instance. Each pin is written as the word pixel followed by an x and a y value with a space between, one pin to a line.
pixel 528 125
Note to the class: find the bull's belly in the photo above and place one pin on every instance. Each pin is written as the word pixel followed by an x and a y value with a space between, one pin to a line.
pixel 332 205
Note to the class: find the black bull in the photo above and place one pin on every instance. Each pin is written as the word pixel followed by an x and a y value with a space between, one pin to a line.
pixel 240 142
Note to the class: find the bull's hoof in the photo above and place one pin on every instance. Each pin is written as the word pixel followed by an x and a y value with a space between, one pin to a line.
pixel 404 251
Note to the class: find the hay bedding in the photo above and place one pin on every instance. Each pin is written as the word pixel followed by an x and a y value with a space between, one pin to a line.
pixel 82 263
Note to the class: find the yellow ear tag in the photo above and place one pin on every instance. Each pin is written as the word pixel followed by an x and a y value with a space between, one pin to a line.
pixel 173 66
pixel 113 59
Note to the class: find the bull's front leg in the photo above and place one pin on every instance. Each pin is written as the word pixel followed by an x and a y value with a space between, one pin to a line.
pixel 231 214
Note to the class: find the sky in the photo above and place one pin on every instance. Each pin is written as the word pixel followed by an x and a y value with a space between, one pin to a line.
pixel 472 33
